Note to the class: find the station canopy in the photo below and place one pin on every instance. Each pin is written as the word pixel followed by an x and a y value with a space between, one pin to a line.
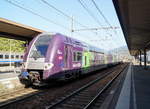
pixel 17 31
pixel 134 17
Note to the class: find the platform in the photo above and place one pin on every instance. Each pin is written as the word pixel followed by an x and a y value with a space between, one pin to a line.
pixel 6 75
pixel 9 82
pixel 135 92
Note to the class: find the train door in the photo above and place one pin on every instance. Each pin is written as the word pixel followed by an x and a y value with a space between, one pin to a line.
pixel 67 56
pixel 86 59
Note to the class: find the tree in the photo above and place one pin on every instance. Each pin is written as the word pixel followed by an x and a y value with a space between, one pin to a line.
pixel 16 45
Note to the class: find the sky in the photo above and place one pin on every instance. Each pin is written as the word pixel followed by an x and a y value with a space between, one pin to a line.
pixel 40 15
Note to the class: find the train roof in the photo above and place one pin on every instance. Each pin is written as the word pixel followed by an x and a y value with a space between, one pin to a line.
pixel 86 45
pixel 78 42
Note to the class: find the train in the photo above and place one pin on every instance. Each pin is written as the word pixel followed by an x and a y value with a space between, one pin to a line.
pixel 7 58
pixel 59 57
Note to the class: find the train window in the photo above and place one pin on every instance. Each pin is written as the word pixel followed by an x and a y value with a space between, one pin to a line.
pixel 17 56
pixel 79 56
pixel 74 56
pixel 1 56
pixel 6 56
pixel 12 56
pixel 21 56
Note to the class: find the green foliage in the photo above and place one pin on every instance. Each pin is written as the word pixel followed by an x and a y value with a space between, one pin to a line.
pixel 15 45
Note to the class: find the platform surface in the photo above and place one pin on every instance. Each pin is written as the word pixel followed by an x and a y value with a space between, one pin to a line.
pixel 9 82
pixel 135 92
pixel 6 75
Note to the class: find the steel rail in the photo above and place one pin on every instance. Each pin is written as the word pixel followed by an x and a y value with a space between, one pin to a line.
pixel 14 100
pixel 77 91
pixel 103 90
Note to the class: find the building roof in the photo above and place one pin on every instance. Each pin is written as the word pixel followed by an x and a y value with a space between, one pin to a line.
pixel 18 31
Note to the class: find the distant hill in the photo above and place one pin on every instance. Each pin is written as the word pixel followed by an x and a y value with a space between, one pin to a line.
pixel 122 51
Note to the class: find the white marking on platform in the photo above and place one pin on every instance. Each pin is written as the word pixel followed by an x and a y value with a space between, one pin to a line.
pixel 112 92
pixel 124 97
pixel 134 93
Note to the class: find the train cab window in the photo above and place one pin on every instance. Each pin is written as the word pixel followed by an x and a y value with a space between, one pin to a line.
pixel 6 56
pixel 12 56
pixel 40 47
pixel 1 56
pixel 17 56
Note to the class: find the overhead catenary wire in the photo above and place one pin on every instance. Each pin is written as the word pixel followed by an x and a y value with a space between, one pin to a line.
pixel 85 7
pixel 37 14
pixel 61 12
pixel 89 12
pixel 34 13
pixel 101 13
pixel 66 15
pixel 95 4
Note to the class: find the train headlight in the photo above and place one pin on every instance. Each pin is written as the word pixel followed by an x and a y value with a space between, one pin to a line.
pixel 48 66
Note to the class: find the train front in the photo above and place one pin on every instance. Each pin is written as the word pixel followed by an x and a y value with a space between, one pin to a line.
pixel 35 60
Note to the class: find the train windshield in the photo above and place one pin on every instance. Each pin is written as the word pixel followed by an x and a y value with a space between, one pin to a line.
pixel 40 47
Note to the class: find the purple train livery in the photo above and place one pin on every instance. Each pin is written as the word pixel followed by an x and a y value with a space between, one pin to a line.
pixel 58 57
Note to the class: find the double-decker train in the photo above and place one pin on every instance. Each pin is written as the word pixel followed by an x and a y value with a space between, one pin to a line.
pixel 58 57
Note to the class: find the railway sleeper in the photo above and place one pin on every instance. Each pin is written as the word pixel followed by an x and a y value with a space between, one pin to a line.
pixel 77 102
pixel 81 100
pixel 86 96
pixel 69 106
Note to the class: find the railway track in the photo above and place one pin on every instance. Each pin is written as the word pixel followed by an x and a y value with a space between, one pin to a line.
pixel 16 96
pixel 86 96
pixel 27 94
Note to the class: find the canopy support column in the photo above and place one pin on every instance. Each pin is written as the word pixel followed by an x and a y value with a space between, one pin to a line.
pixel 145 58
pixel 140 58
